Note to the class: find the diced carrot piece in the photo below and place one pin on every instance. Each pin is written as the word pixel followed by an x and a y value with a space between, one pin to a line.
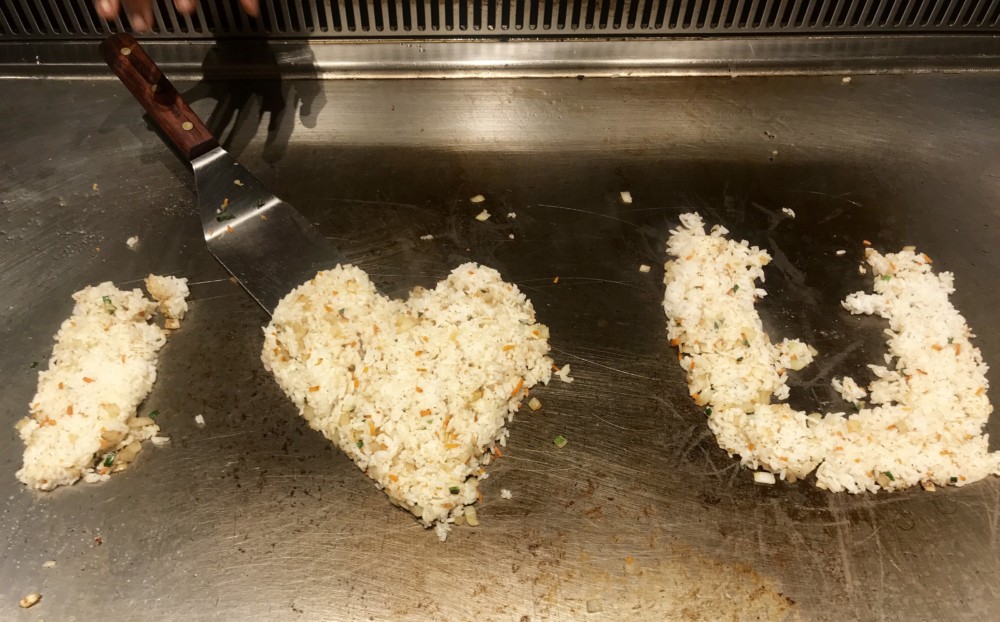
pixel 517 389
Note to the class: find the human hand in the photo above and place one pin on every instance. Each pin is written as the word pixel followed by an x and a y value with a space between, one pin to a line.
pixel 140 12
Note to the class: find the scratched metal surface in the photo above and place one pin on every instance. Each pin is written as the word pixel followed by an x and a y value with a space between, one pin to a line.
pixel 255 516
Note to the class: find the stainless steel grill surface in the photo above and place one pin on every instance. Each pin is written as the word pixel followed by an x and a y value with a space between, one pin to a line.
pixel 254 516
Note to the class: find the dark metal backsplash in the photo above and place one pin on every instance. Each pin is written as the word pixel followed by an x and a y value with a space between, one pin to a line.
pixel 76 19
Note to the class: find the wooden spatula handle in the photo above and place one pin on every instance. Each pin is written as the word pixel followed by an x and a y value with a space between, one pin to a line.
pixel 148 84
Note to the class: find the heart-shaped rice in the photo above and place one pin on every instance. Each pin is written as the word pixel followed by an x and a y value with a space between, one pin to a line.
pixel 417 392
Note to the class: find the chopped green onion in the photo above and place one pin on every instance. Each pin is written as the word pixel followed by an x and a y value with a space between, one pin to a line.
pixel 886 277
pixel 34 364
pixel 739 360
pixel 954 480
pixel 224 217
pixel 736 288
pixel 715 324
pixel 109 459
pixel 260 202
pixel 108 305
pixel 889 475
pixel 950 339
pixel 708 411
pixel 154 414
pixel 560 442
pixel 361 444
pixel 746 343
pixel 453 490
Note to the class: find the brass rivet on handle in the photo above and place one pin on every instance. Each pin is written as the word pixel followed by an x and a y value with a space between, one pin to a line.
pixel 187 125
pixel 126 51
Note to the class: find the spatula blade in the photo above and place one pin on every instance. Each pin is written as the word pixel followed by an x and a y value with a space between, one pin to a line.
pixel 263 241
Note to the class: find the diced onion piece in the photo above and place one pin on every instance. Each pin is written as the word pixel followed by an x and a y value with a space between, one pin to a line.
pixel 477 199
pixel 534 404
pixel 763 477
pixel 483 216
pixel 471 517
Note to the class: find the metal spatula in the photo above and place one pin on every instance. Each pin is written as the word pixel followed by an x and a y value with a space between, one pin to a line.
pixel 267 245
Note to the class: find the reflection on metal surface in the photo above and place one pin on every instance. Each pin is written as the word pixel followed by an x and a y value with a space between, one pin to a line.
pixel 22 19
pixel 256 516
pixel 255 60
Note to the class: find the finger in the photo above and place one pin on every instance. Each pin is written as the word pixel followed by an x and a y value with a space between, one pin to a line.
pixel 140 14
pixel 107 9
pixel 252 7
pixel 185 6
